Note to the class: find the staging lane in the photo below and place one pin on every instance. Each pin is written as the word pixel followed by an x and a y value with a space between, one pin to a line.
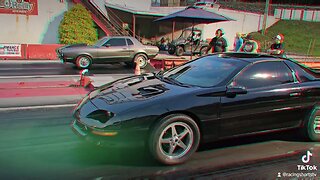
pixel 39 144
pixel 38 68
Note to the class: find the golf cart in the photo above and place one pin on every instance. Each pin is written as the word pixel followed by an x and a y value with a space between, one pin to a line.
pixel 188 39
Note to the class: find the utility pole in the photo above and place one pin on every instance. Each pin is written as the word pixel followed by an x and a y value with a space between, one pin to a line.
pixel 265 17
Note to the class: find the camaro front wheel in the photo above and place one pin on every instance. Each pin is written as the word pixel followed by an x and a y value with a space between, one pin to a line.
pixel 174 139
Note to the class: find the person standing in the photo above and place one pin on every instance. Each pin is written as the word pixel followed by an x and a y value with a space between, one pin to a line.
pixel 218 43
pixel 249 45
pixel 238 41
pixel 277 48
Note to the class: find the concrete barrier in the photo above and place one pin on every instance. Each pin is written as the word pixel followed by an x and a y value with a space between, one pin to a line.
pixel 35 52
pixel 42 51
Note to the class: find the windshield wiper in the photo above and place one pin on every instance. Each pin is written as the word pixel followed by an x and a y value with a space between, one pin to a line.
pixel 174 81
pixel 158 75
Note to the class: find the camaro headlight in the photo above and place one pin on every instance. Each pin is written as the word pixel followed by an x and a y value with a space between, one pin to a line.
pixel 82 102
pixel 101 115
pixel 94 93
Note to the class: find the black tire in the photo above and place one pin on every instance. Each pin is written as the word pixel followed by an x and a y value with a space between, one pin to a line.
pixel 311 128
pixel 179 51
pixel 171 51
pixel 142 59
pixel 203 50
pixel 83 62
pixel 169 148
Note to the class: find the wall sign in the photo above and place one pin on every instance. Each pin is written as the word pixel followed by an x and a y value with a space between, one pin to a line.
pixel 10 50
pixel 26 7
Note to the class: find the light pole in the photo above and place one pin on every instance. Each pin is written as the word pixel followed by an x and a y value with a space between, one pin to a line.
pixel 265 17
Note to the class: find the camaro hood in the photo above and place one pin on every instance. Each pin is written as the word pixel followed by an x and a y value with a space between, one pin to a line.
pixel 132 91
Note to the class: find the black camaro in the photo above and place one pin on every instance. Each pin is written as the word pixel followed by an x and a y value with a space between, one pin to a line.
pixel 211 98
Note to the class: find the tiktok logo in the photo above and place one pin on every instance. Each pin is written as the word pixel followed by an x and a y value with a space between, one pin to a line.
pixel 306 158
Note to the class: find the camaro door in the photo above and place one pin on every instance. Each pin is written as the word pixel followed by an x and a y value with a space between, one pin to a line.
pixel 114 50
pixel 271 101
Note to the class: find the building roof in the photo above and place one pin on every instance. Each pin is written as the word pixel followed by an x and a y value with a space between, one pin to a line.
pixel 141 7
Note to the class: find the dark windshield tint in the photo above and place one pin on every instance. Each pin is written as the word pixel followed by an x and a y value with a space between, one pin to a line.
pixel 205 72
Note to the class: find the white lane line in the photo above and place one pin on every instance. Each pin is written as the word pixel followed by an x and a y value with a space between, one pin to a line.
pixel 37 107
pixel 23 68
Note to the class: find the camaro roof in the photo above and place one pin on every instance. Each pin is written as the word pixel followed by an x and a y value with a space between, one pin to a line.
pixel 248 57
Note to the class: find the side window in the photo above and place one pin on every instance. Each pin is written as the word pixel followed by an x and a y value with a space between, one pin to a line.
pixel 302 73
pixel 129 42
pixel 263 74
pixel 116 42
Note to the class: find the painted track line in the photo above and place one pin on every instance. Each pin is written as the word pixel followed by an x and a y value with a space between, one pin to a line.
pixel 38 76
pixel 37 107
pixel 57 76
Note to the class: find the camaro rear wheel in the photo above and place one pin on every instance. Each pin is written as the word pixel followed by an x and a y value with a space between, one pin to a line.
pixel 174 139
pixel 83 62
pixel 142 59
pixel 312 125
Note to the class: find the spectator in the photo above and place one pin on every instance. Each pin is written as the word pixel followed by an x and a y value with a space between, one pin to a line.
pixel 277 48
pixel 218 43
pixel 163 44
pixel 238 41
pixel 249 45
pixel 196 38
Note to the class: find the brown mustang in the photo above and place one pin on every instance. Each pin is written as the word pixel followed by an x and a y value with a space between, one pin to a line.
pixel 108 50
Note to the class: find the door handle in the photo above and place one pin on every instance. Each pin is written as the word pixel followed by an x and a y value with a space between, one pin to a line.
pixel 295 94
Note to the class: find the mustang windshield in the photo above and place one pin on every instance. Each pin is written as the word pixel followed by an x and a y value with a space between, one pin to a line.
pixel 100 42
pixel 205 72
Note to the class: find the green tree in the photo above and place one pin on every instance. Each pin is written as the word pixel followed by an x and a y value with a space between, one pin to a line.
pixel 77 26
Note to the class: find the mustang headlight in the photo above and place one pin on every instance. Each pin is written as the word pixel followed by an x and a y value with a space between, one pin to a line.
pixel 101 115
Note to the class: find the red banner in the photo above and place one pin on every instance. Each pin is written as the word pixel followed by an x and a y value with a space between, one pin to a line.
pixel 27 7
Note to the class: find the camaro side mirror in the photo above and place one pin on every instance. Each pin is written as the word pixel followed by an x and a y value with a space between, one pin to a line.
pixel 233 91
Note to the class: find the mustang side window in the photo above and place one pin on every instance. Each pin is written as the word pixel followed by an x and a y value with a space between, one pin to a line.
pixel 129 42
pixel 263 74
pixel 116 42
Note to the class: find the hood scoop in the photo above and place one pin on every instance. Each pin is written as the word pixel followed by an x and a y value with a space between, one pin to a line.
pixel 132 89
pixel 132 94
pixel 150 91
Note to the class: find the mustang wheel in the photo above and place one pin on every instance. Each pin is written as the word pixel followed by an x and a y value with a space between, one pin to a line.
pixel 83 62
pixel 174 139
pixel 312 125
pixel 179 51
pixel 142 59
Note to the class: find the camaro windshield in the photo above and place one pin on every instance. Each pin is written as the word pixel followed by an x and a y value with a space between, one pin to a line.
pixel 205 72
